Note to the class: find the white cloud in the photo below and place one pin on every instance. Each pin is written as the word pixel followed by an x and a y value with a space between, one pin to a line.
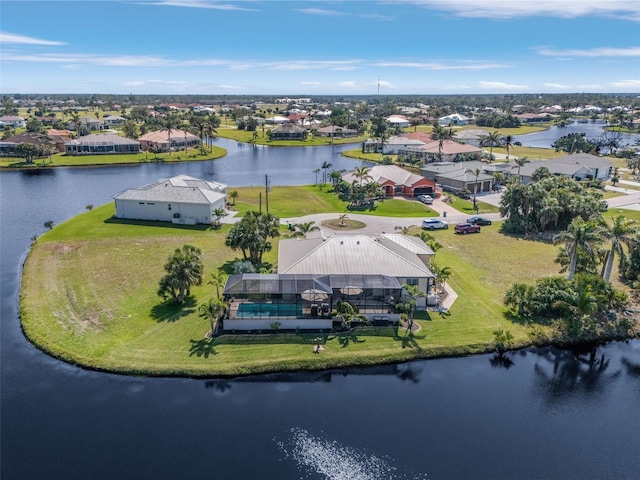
pixel 199 4
pixel 6 37
pixel 310 64
pixel 501 86
pixel 337 13
pixel 557 86
pixel 592 52
pixel 631 84
pixel 321 11
pixel 157 61
pixel 441 66
pixel 138 83
pixel 86 59
pixel 626 9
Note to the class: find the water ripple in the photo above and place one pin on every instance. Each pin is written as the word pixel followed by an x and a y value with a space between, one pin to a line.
pixel 334 461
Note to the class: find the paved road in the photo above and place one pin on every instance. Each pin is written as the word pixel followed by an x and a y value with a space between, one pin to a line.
pixel 377 224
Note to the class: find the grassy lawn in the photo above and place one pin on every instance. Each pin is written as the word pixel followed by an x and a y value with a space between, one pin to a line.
pixel 89 297
pixel 312 199
pixel 62 160
pixel 246 137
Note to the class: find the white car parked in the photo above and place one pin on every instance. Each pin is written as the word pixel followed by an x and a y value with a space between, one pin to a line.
pixel 434 223
pixel 426 199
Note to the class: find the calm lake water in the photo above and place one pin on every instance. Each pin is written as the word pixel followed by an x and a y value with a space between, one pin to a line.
pixel 545 414
pixel 591 129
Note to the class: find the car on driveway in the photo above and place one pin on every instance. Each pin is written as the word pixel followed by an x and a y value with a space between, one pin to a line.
pixel 465 228
pixel 426 199
pixel 434 223
pixel 478 221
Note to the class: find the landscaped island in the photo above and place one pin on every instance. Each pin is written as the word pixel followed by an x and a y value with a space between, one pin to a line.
pixel 89 297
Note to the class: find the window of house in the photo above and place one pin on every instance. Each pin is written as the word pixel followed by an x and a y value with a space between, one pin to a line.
pixel 412 281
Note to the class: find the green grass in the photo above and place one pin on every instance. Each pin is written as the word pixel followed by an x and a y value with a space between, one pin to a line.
pixel 89 298
pixel 262 139
pixel 466 206
pixel 62 160
pixel 312 199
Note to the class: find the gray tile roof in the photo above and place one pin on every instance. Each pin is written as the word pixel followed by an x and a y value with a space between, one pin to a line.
pixel 352 255
pixel 102 139
pixel 178 189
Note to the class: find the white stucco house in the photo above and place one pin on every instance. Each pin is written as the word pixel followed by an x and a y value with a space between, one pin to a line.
pixel 454 119
pixel 181 199
pixel 314 274
pixel 12 121
pixel 397 121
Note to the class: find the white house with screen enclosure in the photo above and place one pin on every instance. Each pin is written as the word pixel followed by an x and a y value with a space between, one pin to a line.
pixel 181 199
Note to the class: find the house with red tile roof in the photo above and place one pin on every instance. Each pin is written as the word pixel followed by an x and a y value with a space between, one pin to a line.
pixel 396 181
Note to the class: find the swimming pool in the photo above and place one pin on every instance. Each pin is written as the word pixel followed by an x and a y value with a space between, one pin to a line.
pixel 266 310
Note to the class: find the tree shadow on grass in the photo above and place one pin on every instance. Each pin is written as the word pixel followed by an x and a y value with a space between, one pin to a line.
pixel 170 311
pixel 202 348
pixel 513 317
pixel 149 223
pixel 346 339
pixel 409 340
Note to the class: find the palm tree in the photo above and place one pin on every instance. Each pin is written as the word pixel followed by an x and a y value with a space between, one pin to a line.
pixel 210 132
pixel 491 140
pixel 441 134
pixel 348 313
pixel 233 195
pixel 184 269
pixel 581 235
pixel 171 122
pixel 75 118
pixel 316 171
pixel 217 280
pixel 219 213
pixel 325 166
pixel 410 301
pixel 580 302
pixel 520 162
pixel 442 274
pixel 507 142
pixel 503 339
pixel 199 126
pixel 303 228
pixel 335 177
pixel 212 310
pixel 619 232
pixel 518 295
pixel 342 218
pixel 362 174
pixel 476 173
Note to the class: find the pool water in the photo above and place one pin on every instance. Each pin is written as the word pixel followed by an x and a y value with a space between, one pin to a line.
pixel 250 310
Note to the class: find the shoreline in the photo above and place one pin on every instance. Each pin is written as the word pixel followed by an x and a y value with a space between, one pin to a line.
pixel 106 316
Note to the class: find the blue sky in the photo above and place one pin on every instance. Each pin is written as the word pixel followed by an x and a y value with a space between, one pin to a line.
pixel 320 47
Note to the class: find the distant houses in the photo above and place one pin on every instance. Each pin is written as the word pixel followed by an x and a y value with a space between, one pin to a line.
pixel 101 144
pixel 12 121
pixel 288 131
pixel 166 140
pixel 580 166
pixel 181 199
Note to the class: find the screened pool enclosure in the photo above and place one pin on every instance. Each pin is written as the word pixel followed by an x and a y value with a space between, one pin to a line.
pixel 256 301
